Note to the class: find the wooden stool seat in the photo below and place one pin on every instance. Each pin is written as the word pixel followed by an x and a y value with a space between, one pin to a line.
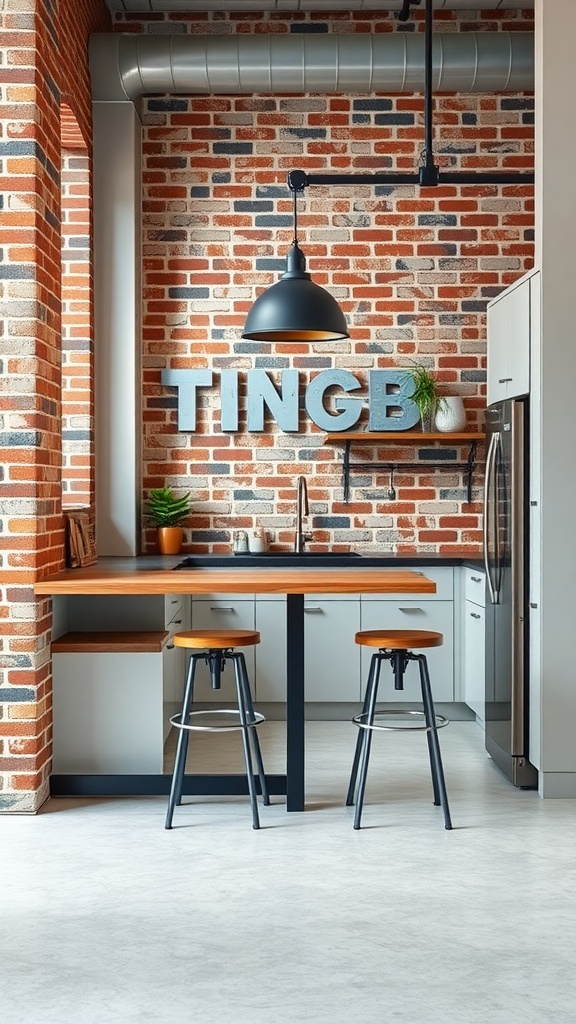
pixel 399 639
pixel 217 639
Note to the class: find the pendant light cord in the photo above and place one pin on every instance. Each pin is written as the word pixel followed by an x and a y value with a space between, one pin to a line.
pixel 295 240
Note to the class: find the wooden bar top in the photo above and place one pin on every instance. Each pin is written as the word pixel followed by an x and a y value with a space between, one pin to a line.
pixel 148 575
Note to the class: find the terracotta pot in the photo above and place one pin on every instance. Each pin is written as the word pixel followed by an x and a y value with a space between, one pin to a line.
pixel 170 539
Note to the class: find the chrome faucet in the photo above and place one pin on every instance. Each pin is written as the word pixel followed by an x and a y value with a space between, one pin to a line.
pixel 302 509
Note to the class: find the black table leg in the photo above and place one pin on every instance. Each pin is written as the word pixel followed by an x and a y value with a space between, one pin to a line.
pixel 295 702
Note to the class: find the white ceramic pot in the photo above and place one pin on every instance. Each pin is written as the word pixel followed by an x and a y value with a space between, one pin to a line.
pixel 450 415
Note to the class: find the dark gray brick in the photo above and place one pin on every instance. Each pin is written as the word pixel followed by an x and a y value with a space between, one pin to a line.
pixel 189 293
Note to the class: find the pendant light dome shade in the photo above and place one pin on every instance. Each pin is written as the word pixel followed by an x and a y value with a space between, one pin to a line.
pixel 295 309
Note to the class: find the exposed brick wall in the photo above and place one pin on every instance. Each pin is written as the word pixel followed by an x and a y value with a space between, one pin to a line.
pixel 44 63
pixel 412 269
pixel 77 311
pixel 354 240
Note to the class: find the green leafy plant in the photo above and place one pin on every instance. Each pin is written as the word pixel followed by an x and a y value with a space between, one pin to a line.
pixel 425 394
pixel 165 509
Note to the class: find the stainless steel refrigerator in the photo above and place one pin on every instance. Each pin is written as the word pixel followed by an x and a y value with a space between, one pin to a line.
pixel 506 558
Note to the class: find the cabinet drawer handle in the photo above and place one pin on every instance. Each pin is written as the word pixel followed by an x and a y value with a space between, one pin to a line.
pixel 476 579
pixel 177 622
pixel 533 604
pixel 220 608
pixel 504 380
pixel 169 647
pixel 409 610
pixel 312 608
pixel 475 615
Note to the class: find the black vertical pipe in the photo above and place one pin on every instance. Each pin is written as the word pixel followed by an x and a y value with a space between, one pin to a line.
pixel 429 171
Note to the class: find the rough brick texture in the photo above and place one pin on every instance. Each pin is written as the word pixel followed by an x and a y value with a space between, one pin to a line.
pixel 77 347
pixel 413 270
pixel 44 66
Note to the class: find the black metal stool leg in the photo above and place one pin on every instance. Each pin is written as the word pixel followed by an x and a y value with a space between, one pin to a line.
pixel 243 712
pixel 185 732
pixel 360 737
pixel 438 780
pixel 430 723
pixel 254 731
pixel 365 752
pixel 182 748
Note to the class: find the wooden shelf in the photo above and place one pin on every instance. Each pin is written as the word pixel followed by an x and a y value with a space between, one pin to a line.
pixel 415 438
pixel 111 642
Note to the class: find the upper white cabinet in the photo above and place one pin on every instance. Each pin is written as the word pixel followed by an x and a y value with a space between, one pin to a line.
pixel 508 363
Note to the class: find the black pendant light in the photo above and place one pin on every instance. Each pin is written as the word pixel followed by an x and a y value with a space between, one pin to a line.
pixel 295 309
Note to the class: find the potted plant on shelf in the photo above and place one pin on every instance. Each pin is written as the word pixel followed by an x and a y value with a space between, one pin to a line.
pixel 166 511
pixel 424 395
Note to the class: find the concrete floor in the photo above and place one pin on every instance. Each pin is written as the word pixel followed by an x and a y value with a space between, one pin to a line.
pixel 106 918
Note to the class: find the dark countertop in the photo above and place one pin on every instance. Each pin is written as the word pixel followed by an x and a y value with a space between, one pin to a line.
pixel 373 559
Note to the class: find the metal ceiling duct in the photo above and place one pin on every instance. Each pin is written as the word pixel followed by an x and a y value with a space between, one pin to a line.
pixel 129 66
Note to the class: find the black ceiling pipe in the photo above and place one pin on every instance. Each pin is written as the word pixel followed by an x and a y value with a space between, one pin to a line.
pixel 297 310
pixel 429 174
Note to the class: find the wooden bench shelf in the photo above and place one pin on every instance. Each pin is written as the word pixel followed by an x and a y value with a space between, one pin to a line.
pixel 416 439
pixel 111 642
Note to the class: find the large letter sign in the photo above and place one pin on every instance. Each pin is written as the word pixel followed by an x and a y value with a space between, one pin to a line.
pixel 389 403
pixel 348 410
pixel 390 406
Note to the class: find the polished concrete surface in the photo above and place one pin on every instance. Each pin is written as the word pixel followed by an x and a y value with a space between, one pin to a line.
pixel 106 918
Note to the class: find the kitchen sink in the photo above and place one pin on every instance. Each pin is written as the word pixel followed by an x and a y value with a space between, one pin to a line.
pixel 269 559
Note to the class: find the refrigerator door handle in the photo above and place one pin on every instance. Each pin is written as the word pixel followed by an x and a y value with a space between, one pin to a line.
pixel 490 462
pixel 517 708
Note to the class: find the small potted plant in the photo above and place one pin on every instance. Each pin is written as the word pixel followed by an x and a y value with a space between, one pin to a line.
pixel 424 395
pixel 166 511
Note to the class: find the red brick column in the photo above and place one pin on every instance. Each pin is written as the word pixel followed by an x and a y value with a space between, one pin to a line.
pixel 44 63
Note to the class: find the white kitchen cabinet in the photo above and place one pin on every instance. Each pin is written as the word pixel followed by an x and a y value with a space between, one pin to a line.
pixel 95 688
pixel 428 611
pixel 473 640
pixel 332 659
pixel 420 614
pixel 535 527
pixel 108 712
pixel 174 662
pixel 508 342
pixel 270 672
pixel 222 612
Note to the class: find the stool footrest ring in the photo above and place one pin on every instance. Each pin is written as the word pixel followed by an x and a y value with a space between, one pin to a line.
pixel 176 721
pixel 360 721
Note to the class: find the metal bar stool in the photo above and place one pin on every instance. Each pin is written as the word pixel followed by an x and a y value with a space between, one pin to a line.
pixel 215 647
pixel 395 646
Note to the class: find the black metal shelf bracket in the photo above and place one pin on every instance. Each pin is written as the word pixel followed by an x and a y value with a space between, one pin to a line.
pixel 349 467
